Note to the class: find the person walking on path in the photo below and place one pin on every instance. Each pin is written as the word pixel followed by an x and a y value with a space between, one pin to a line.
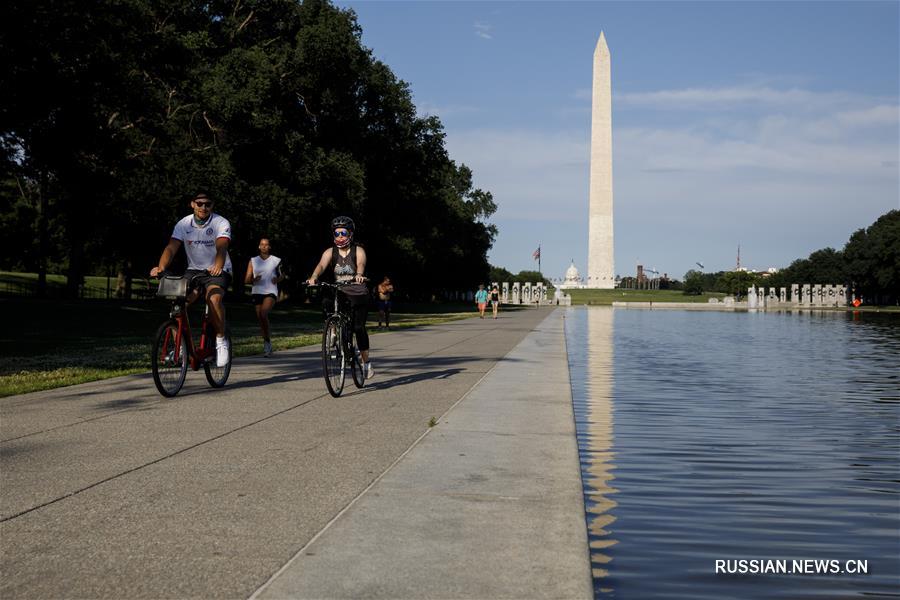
pixel 205 236
pixel 481 297
pixel 495 300
pixel 346 261
pixel 264 274
pixel 384 291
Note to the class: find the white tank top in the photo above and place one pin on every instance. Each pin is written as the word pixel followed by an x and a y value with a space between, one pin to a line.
pixel 268 270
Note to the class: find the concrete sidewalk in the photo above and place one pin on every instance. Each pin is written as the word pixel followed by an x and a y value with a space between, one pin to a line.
pixel 488 504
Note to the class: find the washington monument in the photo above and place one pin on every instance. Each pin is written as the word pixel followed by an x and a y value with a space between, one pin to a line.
pixel 601 266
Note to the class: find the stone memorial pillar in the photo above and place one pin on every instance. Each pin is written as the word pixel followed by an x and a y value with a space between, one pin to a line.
pixel 795 294
pixel 817 294
pixel 783 297
pixel 526 293
pixel 842 296
pixel 772 297
pixel 504 296
pixel 807 294
pixel 515 293
pixel 752 301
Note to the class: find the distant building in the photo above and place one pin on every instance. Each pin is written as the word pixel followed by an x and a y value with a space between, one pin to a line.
pixel 573 279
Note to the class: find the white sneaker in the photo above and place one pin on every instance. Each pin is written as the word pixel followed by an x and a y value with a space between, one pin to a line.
pixel 267 349
pixel 221 351
pixel 370 372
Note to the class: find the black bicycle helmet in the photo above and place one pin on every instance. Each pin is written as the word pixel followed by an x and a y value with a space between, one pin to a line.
pixel 343 221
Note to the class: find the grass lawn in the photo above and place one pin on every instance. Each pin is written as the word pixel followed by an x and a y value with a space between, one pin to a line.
pixel 610 296
pixel 25 284
pixel 46 344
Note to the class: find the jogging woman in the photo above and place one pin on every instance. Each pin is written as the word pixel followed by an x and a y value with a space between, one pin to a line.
pixel 264 273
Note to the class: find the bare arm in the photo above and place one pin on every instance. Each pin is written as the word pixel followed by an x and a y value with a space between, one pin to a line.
pixel 360 264
pixel 168 254
pixel 320 268
pixel 221 252
pixel 248 278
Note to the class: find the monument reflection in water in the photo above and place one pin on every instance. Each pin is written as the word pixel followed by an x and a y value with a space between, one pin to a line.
pixel 591 368
pixel 707 437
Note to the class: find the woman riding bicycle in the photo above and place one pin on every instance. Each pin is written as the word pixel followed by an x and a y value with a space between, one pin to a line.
pixel 347 262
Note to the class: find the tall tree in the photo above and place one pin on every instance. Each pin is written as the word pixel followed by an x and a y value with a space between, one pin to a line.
pixel 274 107
pixel 873 259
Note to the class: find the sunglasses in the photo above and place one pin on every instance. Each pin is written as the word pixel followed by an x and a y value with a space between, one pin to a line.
pixel 341 233
pixel 203 204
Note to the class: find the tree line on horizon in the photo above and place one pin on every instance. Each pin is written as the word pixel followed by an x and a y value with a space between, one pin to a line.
pixel 113 116
pixel 868 264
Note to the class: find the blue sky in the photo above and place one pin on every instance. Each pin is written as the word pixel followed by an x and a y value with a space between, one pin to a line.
pixel 775 126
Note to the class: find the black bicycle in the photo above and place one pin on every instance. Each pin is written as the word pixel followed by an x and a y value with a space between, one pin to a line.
pixel 339 348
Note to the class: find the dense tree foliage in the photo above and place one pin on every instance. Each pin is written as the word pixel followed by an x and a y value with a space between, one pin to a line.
pixel 113 115
pixel 499 274
pixel 697 282
pixel 693 283
pixel 737 283
pixel 872 260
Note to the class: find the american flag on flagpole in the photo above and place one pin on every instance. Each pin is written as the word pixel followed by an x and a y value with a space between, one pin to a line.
pixel 536 255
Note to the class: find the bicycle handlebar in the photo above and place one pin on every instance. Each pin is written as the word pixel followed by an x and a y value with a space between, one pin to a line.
pixel 336 285
pixel 161 274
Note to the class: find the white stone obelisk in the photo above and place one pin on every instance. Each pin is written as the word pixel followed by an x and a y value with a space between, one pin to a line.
pixel 601 267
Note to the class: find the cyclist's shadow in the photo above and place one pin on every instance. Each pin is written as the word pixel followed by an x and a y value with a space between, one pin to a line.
pixel 412 378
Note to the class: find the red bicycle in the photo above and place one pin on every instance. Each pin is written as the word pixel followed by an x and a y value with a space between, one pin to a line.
pixel 174 349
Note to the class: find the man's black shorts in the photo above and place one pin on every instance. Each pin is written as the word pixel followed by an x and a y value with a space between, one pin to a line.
pixel 204 281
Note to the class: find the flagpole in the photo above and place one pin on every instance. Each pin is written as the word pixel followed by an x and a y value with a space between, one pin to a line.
pixel 539 260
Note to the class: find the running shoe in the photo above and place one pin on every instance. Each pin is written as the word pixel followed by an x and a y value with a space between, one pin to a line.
pixel 221 352
pixel 267 349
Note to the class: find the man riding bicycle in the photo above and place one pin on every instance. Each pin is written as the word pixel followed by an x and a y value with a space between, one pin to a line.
pixel 347 262
pixel 206 236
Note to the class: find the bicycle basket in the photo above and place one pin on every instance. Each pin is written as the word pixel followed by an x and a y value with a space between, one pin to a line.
pixel 172 288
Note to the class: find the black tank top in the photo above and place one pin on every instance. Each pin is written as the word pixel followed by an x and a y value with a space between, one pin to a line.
pixel 343 267
pixel 344 270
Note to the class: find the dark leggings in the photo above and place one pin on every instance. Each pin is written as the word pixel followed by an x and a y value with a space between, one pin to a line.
pixel 360 314
pixel 358 308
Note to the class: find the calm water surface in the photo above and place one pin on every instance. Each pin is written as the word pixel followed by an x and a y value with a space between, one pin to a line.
pixel 757 436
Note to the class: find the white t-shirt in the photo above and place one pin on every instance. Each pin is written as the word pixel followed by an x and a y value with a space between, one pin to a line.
pixel 266 269
pixel 200 242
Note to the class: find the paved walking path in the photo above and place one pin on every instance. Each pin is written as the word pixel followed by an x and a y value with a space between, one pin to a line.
pixel 489 505
pixel 108 490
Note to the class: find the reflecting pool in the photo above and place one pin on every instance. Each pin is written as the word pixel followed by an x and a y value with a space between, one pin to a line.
pixel 769 442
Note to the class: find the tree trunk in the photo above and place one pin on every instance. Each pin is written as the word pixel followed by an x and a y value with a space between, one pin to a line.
pixel 75 274
pixel 75 230
pixel 42 239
